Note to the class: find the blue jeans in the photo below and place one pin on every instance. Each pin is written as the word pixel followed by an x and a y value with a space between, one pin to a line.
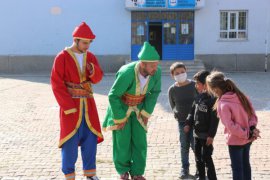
pixel 240 162
pixel 186 141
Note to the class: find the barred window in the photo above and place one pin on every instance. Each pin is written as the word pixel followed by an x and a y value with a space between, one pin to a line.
pixel 138 32
pixel 233 25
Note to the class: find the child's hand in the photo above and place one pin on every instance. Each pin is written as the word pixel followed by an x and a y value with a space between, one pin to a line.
pixel 256 134
pixel 186 129
pixel 209 141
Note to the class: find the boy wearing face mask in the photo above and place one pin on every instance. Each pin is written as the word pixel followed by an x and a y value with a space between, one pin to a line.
pixel 204 121
pixel 181 96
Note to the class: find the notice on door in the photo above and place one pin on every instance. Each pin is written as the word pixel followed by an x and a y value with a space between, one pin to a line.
pixel 184 29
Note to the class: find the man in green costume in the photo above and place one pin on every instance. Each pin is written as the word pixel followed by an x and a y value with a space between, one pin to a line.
pixel 132 99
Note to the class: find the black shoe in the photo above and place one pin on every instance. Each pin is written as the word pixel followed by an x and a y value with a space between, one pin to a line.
pixel 92 178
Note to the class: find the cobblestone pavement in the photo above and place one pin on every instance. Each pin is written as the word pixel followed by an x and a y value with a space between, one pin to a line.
pixel 29 132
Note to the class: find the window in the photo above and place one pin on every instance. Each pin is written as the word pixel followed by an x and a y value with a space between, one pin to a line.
pixel 185 27
pixel 233 25
pixel 169 33
pixel 186 33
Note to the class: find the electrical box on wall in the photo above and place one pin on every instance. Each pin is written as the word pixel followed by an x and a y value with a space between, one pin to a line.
pixel 199 4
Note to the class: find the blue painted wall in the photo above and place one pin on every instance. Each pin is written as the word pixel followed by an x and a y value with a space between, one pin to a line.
pixel 30 27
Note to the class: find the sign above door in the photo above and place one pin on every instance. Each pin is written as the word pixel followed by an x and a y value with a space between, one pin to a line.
pixel 164 4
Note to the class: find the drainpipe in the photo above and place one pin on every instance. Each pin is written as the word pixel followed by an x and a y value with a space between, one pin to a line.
pixel 266 42
pixel 265 57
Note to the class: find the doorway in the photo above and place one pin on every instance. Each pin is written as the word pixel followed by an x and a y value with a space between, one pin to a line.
pixel 155 36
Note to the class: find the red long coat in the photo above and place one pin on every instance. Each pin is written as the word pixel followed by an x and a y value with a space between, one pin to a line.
pixel 66 69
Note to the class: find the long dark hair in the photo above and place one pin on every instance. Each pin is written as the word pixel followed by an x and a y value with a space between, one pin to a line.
pixel 218 80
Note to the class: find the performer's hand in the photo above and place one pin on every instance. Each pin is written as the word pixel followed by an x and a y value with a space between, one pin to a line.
pixel 122 125
pixel 209 141
pixel 186 129
pixel 145 120
pixel 89 67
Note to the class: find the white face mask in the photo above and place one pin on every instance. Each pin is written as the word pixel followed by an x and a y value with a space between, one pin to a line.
pixel 181 77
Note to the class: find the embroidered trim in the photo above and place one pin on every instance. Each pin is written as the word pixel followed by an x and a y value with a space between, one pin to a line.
pixel 90 172
pixel 129 111
pixel 138 83
pixel 145 114
pixel 89 123
pixel 82 38
pixel 70 176
pixel 110 128
pixel 150 60
pixel 120 121
pixel 132 100
pixel 73 110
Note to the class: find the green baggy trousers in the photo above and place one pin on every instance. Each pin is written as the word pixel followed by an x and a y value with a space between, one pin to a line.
pixel 130 148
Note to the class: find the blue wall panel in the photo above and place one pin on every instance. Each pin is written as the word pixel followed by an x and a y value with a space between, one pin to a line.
pixel 186 52
pixel 135 49
pixel 178 52
pixel 169 52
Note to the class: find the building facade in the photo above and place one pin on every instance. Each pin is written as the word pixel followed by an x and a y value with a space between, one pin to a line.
pixel 233 35
pixel 225 34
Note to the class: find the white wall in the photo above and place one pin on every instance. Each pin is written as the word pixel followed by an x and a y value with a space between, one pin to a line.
pixel 30 28
pixel 207 27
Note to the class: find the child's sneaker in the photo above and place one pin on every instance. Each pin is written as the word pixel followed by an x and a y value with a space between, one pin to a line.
pixel 184 173
pixel 196 175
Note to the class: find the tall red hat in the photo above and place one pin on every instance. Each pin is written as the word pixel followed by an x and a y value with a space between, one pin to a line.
pixel 83 31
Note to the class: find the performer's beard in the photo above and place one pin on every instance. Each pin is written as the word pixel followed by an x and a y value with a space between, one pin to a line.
pixel 79 49
pixel 147 73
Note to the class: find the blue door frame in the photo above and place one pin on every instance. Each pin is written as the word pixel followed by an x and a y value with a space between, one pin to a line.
pixel 169 52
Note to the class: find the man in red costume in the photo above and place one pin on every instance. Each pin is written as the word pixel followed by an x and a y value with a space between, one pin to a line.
pixel 74 70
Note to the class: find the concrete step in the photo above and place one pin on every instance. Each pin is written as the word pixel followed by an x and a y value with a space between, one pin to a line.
pixel 192 66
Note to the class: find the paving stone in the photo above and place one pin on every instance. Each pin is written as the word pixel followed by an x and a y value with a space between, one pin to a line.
pixel 30 130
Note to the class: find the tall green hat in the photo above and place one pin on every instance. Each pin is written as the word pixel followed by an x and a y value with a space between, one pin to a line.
pixel 148 53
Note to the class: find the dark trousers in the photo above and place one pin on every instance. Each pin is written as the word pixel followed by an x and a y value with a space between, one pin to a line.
pixel 203 157
pixel 240 162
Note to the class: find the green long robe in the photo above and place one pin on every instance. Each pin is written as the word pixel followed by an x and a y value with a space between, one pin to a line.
pixel 127 81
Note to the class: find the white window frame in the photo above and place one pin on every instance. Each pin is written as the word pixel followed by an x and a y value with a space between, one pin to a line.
pixel 236 30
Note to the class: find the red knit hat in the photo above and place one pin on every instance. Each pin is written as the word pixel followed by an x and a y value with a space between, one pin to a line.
pixel 83 31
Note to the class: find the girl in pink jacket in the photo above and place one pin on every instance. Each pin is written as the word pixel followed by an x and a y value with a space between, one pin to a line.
pixel 238 116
